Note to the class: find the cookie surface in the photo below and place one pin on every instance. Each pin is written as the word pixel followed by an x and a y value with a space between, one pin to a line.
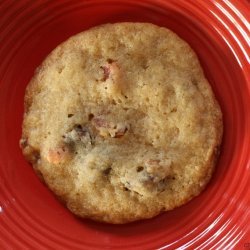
pixel 121 123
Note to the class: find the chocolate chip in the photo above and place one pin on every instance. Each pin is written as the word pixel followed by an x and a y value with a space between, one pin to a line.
pixel 109 60
pixel 107 171
pixel 70 115
pixel 139 169
pixel 78 126
pixel 91 116
pixel 79 133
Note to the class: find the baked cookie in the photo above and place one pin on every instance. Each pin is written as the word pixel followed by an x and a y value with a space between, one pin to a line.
pixel 121 123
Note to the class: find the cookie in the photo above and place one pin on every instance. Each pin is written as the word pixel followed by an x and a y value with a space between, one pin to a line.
pixel 121 123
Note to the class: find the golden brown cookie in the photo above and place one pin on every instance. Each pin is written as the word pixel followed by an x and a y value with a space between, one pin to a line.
pixel 121 123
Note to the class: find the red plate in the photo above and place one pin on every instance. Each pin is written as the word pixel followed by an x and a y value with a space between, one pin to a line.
pixel 218 30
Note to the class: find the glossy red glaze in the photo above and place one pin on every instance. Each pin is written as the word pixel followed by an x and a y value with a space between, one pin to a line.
pixel 218 30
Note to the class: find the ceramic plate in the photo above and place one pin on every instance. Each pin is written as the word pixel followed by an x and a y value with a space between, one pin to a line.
pixel 218 30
